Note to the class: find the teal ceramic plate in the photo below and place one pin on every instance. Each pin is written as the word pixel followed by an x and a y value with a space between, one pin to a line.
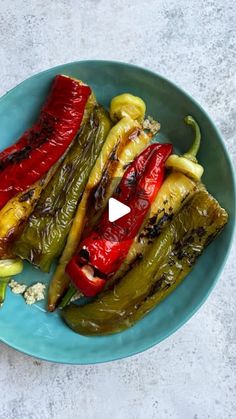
pixel 32 330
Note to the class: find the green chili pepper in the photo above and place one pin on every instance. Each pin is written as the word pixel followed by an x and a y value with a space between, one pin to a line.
pixel 168 261
pixel 68 296
pixel 45 234
pixel 3 288
pixel 187 163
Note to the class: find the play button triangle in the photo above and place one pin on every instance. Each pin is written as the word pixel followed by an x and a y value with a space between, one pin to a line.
pixel 116 209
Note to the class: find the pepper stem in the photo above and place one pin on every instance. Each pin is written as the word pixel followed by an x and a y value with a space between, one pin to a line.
pixel 67 297
pixel 192 152
pixel 3 289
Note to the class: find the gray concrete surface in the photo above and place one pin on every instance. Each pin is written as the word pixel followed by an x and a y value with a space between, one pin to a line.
pixel 191 375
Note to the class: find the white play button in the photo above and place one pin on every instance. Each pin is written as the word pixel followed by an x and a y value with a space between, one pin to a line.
pixel 116 209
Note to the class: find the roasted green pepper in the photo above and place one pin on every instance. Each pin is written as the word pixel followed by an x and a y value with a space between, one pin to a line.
pixel 168 261
pixel 16 212
pixel 44 236
pixel 174 192
pixel 3 289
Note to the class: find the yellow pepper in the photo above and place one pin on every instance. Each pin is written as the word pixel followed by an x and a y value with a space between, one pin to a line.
pixel 8 268
pixel 127 105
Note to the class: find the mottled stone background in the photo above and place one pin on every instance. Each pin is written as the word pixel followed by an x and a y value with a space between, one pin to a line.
pixel 191 375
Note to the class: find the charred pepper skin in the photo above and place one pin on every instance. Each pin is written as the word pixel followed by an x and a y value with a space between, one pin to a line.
pixel 169 259
pixel 107 246
pixel 44 236
pixel 39 148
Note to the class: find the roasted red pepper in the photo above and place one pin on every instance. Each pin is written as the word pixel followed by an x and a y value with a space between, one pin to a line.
pixel 39 148
pixel 103 251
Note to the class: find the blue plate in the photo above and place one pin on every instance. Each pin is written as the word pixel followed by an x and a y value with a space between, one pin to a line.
pixel 31 329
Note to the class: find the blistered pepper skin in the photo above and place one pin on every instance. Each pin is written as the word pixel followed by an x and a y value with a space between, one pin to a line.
pixel 40 147
pixel 170 258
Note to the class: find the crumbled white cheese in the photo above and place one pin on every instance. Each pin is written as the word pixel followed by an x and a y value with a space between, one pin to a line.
pixel 150 124
pixel 76 296
pixel 16 287
pixel 35 293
